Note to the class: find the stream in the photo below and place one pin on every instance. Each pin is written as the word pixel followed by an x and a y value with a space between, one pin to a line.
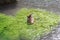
pixel 50 5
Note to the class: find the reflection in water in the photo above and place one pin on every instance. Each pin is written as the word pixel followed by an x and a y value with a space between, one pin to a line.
pixel 7 8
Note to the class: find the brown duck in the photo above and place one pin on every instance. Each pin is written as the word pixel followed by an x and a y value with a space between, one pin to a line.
pixel 30 19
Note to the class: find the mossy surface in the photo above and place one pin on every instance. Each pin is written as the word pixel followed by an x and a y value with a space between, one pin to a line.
pixel 16 27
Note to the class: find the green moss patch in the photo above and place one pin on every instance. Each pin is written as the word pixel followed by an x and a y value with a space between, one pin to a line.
pixel 16 27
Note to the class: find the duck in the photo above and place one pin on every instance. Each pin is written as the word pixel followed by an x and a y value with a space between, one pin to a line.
pixel 30 19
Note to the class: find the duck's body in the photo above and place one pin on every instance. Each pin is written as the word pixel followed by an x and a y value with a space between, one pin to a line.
pixel 30 19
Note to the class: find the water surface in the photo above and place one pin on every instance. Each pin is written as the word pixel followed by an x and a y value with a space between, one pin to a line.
pixel 50 5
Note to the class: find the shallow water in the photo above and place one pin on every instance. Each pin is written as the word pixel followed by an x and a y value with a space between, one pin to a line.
pixel 50 5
